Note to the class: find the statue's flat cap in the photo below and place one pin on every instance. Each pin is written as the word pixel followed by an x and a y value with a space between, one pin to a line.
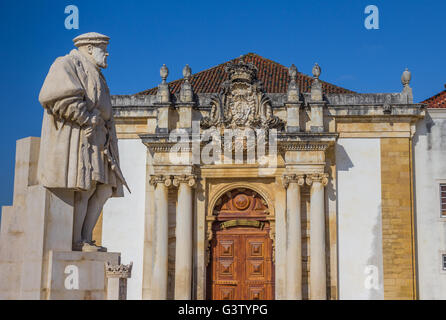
pixel 90 38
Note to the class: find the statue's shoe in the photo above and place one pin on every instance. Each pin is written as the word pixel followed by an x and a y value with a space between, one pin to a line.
pixel 92 247
pixel 78 246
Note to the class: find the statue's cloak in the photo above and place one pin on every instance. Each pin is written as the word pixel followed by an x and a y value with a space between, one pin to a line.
pixel 73 92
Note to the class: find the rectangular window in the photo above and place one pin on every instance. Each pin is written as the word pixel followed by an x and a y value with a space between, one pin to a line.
pixel 443 199
pixel 443 262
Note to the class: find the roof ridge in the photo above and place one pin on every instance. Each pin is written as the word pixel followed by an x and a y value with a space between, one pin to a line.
pixel 208 79
pixel 434 96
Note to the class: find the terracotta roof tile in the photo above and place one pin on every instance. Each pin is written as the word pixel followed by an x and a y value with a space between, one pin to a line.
pixel 273 75
pixel 437 101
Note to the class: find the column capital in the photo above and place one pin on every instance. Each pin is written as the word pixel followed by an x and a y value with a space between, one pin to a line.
pixel 293 178
pixel 191 180
pixel 317 177
pixel 159 178
pixel 118 270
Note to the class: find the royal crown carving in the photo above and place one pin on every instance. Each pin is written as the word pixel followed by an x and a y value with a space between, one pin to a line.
pixel 241 102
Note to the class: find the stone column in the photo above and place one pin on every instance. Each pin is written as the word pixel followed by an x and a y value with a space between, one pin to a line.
pixel 294 237
pixel 184 239
pixel 117 276
pixel 161 229
pixel 318 277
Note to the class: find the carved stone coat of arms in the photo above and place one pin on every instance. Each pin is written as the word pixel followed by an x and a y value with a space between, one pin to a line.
pixel 241 102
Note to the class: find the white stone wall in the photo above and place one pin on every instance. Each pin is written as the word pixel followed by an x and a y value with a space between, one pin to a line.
pixel 359 219
pixel 123 218
pixel 430 170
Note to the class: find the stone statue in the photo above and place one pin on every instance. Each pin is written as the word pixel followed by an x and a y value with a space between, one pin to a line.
pixel 79 149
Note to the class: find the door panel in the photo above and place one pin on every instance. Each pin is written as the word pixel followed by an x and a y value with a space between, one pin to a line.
pixel 242 265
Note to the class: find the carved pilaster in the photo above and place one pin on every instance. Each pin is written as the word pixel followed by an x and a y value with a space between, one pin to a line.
pixel 272 235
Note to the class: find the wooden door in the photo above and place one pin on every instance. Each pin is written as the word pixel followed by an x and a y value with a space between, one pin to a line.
pixel 241 266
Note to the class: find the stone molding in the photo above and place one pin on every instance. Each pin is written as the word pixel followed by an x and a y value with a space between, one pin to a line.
pixel 305 146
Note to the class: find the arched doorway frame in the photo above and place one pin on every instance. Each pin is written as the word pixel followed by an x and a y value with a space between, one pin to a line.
pixel 210 217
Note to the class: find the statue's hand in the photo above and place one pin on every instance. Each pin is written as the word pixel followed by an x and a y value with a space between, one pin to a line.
pixel 89 131
pixel 97 121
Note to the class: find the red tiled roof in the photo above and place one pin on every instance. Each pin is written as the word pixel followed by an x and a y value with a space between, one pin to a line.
pixel 273 75
pixel 437 101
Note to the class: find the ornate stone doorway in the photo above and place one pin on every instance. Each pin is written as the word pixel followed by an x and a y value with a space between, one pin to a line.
pixel 241 249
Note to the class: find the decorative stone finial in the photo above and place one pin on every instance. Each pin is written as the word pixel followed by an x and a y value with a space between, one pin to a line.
pixel 293 89
pixel 187 71
pixel 316 71
pixel 316 86
pixel 407 95
pixel 292 71
pixel 163 94
pixel 405 77
pixel 186 92
pixel 164 72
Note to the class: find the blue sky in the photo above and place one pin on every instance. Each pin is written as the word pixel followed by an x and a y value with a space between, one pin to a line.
pixel 146 34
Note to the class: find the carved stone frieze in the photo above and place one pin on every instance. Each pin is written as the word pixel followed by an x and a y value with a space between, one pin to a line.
pixel 302 146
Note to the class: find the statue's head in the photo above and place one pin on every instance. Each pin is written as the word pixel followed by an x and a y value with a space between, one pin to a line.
pixel 93 45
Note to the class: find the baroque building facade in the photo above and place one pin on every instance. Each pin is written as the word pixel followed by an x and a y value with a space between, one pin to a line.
pixel 339 204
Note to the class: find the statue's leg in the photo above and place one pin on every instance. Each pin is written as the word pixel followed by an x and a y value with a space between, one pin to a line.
pixel 95 204
pixel 80 211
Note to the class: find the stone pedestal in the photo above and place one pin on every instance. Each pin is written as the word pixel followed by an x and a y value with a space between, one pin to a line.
pixel 36 239
pixel 75 275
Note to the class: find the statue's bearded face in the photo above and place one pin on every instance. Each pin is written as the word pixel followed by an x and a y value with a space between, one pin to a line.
pixel 99 54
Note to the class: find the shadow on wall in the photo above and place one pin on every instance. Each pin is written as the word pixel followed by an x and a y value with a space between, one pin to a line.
pixel 424 129
pixel 343 161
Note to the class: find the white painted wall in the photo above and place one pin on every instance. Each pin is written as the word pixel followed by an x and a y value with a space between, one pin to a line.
pixel 359 218
pixel 123 220
pixel 430 169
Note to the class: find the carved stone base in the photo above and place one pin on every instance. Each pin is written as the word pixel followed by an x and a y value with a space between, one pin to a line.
pixel 74 275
